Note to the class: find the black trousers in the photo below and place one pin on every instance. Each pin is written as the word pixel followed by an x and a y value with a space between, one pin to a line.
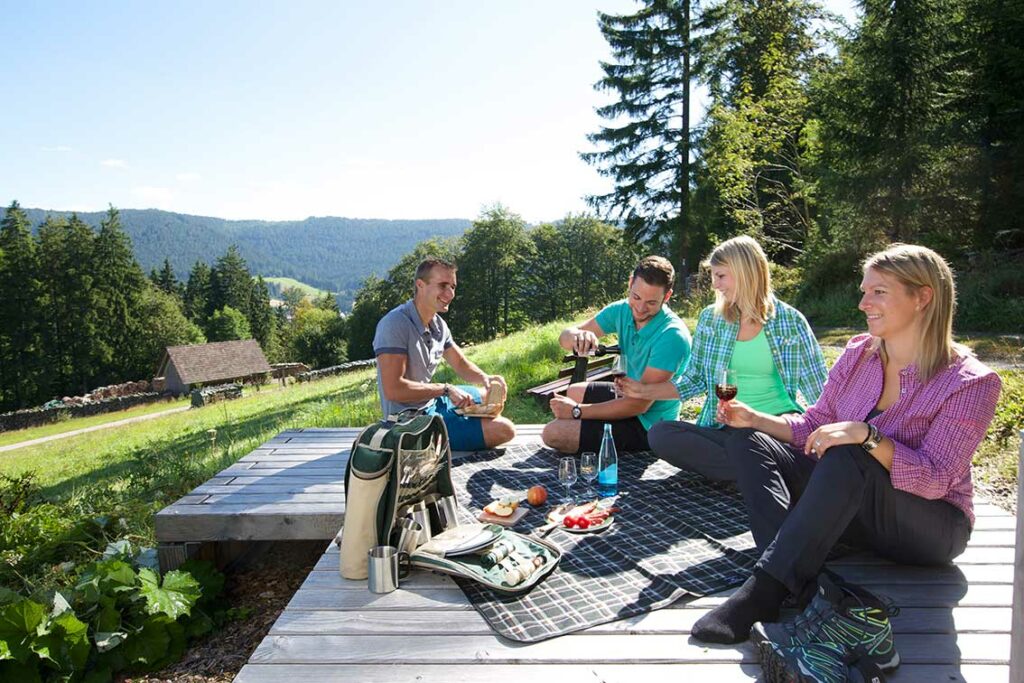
pixel 800 508
pixel 694 448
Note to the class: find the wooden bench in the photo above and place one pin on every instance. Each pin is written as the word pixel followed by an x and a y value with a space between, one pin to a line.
pixel 582 369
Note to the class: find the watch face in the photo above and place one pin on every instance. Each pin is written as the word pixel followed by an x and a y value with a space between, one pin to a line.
pixel 576 412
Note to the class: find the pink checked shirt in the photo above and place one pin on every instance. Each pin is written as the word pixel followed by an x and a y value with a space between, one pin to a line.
pixel 935 427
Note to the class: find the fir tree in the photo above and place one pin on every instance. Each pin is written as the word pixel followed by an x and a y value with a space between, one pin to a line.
pixel 197 294
pixel 646 147
pixel 22 362
pixel 119 283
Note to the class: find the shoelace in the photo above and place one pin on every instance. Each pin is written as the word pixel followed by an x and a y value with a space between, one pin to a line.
pixel 805 628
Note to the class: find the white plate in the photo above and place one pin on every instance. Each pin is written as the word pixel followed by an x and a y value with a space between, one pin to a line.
pixel 590 529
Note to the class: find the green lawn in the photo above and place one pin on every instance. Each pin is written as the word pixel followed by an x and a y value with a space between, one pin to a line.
pixel 69 425
pixel 286 282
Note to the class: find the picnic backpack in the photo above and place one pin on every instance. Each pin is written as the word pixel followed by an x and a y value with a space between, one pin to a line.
pixel 398 467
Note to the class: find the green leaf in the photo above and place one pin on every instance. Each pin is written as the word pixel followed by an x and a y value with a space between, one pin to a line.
pixel 175 597
pixel 211 581
pixel 64 642
pixel 18 624
pixel 108 640
pixel 60 604
pixel 99 675
pixel 161 640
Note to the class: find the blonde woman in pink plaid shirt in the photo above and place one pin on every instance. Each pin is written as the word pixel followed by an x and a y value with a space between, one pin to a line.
pixel 881 461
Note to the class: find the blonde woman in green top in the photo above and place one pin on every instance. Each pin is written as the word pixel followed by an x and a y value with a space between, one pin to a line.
pixel 765 344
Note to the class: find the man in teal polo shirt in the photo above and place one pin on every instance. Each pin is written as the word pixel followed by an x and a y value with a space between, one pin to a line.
pixel 655 345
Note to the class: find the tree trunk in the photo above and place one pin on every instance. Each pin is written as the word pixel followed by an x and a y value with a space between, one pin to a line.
pixel 684 199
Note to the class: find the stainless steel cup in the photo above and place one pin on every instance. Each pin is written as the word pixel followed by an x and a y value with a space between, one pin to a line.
pixel 385 568
pixel 421 515
pixel 447 512
pixel 408 532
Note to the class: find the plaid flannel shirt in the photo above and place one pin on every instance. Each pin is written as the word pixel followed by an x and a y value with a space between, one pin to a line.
pixel 935 427
pixel 794 349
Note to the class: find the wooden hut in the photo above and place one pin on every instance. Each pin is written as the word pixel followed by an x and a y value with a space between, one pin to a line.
pixel 184 368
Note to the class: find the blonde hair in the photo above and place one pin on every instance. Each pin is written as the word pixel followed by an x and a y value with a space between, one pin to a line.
pixel 916 267
pixel 754 299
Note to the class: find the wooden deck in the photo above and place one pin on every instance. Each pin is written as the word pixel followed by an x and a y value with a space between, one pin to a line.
pixel 289 489
pixel 954 624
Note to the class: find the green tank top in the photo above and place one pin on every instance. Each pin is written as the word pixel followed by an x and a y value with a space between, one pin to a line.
pixel 760 385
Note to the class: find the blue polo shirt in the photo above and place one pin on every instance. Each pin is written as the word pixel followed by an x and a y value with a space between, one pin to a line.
pixel 401 331
pixel 663 343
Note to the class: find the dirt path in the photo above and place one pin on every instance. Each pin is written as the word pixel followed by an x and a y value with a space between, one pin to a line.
pixel 106 425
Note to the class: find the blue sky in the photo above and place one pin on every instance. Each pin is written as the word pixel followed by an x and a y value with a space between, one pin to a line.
pixel 403 109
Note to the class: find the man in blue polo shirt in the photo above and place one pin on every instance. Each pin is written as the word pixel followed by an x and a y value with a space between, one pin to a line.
pixel 655 346
pixel 409 343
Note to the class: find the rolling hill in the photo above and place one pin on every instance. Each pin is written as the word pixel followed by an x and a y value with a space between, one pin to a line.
pixel 335 254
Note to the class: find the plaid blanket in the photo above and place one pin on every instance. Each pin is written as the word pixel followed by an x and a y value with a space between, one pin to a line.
pixel 677 535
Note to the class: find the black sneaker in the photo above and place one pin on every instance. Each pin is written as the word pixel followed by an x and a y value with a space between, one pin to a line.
pixel 842 614
pixel 814 663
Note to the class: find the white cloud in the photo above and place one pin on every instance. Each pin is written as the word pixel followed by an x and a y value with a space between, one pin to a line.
pixel 114 163
pixel 56 148
pixel 152 197
pixel 188 177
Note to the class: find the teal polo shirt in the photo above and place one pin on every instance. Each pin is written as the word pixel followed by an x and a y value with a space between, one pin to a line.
pixel 663 343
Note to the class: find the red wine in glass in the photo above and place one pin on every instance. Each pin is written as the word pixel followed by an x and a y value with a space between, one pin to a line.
pixel 726 392
pixel 725 386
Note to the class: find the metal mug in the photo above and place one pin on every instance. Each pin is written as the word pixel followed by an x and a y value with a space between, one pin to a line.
pixel 447 512
pixel 385 568
pixel 409 533
pixel 421 515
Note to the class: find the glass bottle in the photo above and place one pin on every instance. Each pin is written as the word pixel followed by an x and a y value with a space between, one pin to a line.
pixel 607 465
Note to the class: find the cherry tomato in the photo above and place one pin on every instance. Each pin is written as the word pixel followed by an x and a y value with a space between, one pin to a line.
pixel 583 523
pixel 568 522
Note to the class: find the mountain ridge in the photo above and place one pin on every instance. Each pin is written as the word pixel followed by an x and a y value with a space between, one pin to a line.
pixel 332 253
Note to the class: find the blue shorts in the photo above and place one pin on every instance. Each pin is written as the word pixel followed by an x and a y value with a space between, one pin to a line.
pixel 464 433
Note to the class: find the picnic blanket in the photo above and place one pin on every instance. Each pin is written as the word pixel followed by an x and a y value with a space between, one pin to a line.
pixel 677 535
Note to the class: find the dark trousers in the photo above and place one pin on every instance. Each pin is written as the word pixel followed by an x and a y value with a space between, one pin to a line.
pixel 693 448
pixel 800 508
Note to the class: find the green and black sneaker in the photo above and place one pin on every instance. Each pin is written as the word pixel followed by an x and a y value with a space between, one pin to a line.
pixel 842 614
pixel 814 663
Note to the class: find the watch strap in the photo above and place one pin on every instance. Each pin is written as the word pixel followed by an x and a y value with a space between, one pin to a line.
pixel 874 438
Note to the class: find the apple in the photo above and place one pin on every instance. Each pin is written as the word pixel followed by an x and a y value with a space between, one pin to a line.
pixel 536 495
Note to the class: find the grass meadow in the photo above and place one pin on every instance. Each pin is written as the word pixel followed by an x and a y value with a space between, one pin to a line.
pixel 66 498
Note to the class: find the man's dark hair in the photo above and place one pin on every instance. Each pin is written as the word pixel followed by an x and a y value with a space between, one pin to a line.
pixel 427 265
pixel 655 271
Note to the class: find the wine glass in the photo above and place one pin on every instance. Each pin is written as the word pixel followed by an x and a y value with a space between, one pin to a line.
pixel 618 370
pixel 567 475
pixel 588 468
pixel 725 385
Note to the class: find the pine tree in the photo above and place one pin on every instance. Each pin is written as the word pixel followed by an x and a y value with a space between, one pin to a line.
pixel 22 380
pixel 648 155
pixel 119 283
pixel 167 281
pixel 230 283
pixel 197 294
pixel 260 315
pixel 69 315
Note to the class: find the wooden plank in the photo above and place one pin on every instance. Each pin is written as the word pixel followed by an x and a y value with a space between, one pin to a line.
pixel 871 573
pixel 246 497
pixel 241 523
pixel 260 487
pixel 574 673
pixel 666 621
pixel 1017 645
pixel 335 597
pixel 970 648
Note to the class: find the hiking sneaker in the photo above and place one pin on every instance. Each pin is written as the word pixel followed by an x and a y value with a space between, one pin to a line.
pixel 842 614
pixel 814 663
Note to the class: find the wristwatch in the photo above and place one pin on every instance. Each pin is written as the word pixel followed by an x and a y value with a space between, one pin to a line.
pixel 873 439
pixel 577 413
pixel 445 392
